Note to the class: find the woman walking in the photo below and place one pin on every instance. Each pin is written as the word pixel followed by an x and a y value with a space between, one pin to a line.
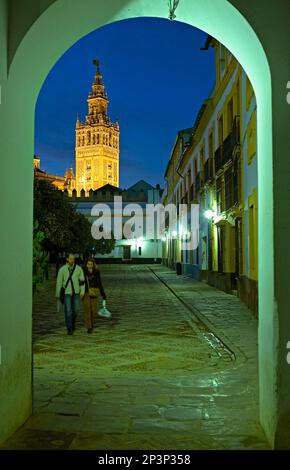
pixel 93 287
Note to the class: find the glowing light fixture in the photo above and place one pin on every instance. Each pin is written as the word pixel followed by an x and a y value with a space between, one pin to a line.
pixel 209 214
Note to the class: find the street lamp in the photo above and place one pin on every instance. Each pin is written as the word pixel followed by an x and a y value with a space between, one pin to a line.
pixel 209 214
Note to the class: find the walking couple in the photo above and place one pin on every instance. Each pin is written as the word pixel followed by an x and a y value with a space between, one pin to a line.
pixel 74 283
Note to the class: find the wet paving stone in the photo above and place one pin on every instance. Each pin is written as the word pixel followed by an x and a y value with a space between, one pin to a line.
pixel 151 377
pixel 42 440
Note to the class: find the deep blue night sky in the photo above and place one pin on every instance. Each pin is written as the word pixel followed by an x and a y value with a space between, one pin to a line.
pixel 156 78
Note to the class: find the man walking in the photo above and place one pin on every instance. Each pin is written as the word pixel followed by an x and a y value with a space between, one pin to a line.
pixel 70 287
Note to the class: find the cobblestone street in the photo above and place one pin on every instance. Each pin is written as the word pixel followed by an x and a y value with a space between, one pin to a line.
pixel 174 368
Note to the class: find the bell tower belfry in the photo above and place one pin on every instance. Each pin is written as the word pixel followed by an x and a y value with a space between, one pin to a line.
pixel 97 142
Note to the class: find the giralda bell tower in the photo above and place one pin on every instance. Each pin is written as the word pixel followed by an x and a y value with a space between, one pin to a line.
pixel 97 142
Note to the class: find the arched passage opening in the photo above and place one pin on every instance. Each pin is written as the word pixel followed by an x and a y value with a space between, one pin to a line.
pixel 47 39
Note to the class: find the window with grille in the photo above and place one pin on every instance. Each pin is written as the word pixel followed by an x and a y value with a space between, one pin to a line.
pixel 230 115
pixel 229 188
pixel 236 180
pixel 219 195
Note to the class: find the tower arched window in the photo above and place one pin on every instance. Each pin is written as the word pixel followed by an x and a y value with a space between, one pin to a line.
pixel 98 138
pixel 104 139
pixel 88 137
pixel 94 139
pixel 83 140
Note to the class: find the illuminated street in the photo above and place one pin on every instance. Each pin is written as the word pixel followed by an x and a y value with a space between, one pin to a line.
pixel 152 377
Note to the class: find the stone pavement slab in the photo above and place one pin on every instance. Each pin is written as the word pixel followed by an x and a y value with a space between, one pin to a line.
pixel 151 377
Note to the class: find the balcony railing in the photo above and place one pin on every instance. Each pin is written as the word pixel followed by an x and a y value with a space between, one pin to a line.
pixel 197 183
pixel 224 152
pixel 229 189
pixel 184 199
pixel 232 181
pixel 227 149
pixel 218 158
pixel 219 199
pixel 208 170
pixel 191 195
pixel 236 179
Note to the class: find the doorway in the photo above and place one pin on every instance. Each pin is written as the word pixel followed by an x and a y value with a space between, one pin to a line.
pixel 126 252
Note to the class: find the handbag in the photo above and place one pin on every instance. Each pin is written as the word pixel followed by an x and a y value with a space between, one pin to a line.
pixel 62 294
pixel 93 291
pixel 62 290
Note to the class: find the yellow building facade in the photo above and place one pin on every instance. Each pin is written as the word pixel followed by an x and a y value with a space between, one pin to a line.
pixel 97 142
pixel 217 170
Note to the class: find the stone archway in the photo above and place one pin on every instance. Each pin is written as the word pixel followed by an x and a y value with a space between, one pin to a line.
pixel 50 35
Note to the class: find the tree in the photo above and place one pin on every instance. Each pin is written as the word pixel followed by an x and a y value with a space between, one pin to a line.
pixel 105 246
pixel 40 259
pixel 63 227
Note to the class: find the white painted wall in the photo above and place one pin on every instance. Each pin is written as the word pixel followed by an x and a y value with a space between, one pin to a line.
pixel 250 171
pixel 149 248
pixel 44 40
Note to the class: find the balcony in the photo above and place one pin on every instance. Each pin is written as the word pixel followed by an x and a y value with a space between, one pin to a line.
pixel 232 185
pixel 236 179
pixel 218 159
pixel 225 152
pixel 219 199
pixel 197 183
pixel 184 199
pixel 208 170
pixel 191 194
pixel 229 189
pixel 227 149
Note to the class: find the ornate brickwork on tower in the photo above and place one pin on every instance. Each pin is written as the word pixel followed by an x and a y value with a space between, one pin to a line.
pixel 97 142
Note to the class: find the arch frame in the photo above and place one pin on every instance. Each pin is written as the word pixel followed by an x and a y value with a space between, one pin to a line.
pixel 52 33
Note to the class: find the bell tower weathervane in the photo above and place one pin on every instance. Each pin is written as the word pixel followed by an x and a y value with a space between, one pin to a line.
pixel 172 4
